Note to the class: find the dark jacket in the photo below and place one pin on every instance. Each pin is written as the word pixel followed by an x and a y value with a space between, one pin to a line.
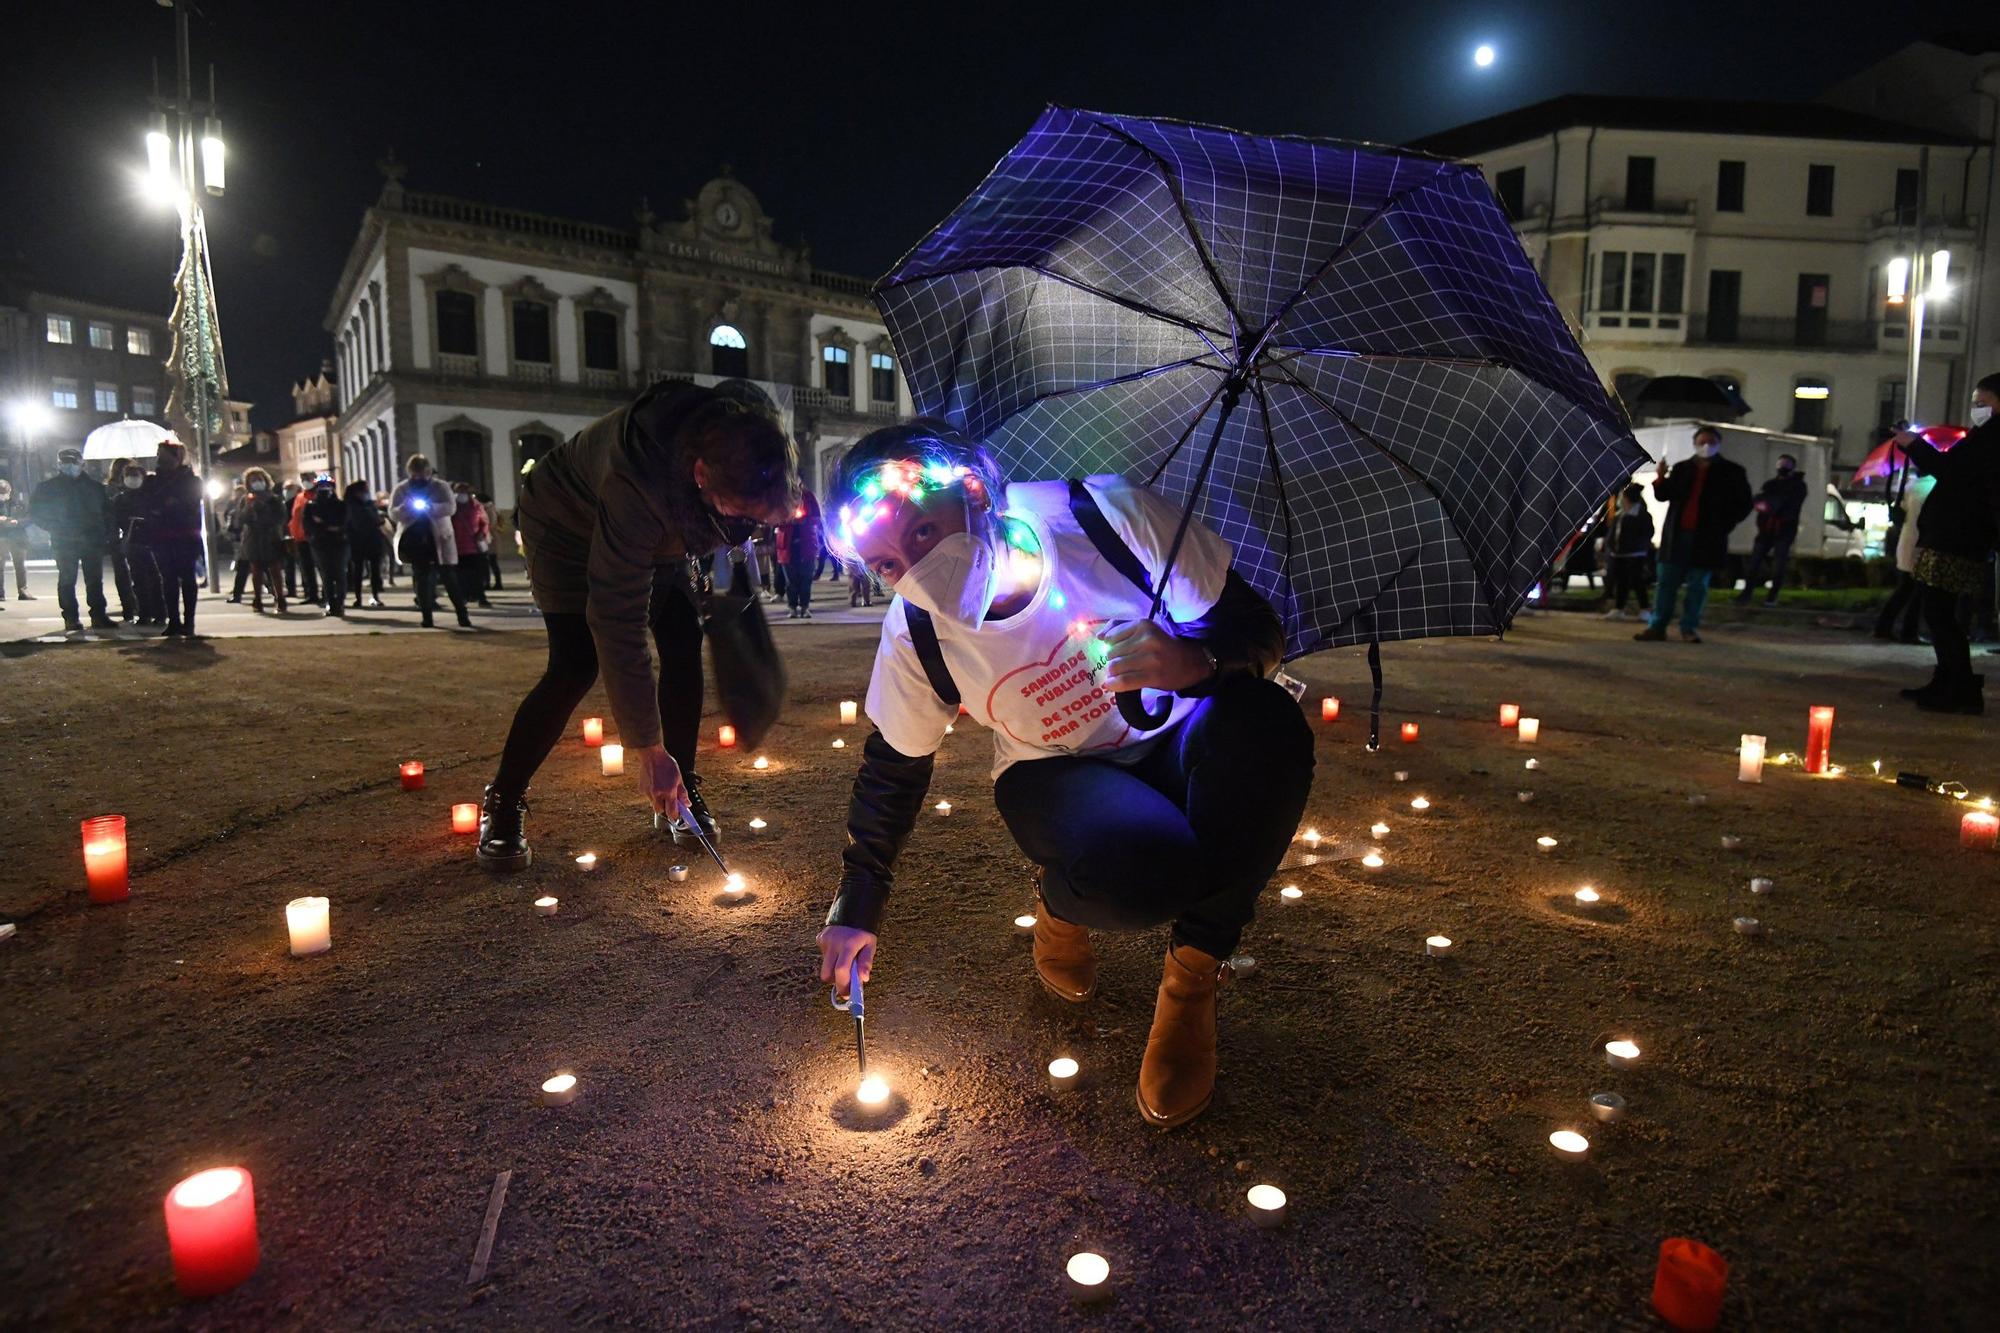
pixel 1962 515
pixel 74 511
pixel 325 520
pixel 1782 497
pixel 264 521
pixel 14 519
pixel 1725 501
pixel 124 515
pixel 364 528
pixel 170 505
pixel 1631 533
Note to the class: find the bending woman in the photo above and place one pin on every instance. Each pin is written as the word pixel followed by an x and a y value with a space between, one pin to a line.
pixel 1027 604
pixel 610 520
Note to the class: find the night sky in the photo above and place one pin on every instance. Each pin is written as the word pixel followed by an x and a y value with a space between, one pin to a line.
pixel 858 126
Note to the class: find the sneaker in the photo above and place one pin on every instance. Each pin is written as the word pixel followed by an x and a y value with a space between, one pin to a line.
pixel 174 631
pixel 503 832
pixel 1650 635
pixel 1690 636
pixel 805 615
pixel 1614 614
pixel 103 622
pixel 374 603
pixel 72 627
pixel 27 596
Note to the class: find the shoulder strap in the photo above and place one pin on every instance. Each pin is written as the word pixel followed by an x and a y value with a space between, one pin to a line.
pixel 923 636
pixel 1084 509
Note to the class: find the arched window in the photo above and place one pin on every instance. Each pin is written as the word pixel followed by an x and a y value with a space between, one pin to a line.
pixel 728 354
pixel 463 453
pixel 839 371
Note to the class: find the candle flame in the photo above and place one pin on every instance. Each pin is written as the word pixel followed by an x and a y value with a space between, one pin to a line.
pixel 1586 894
pixel 587 860
pixel 1624 1050
pixel 761 762
pixel 758 823
pixel 1373 860
pixel 1025 922
pixel 1378 829
pixel 735 883
pixel 1569 1141
pixel 1291 891
pixel 1266 1196
pixel 560 1083
pixel 205 1189
pixel 872 1092
pixel 1420 804
pixel 840 745
pixel 1545 842
pixel 1438 941
pixel 1062 1067
pixel 1087 1269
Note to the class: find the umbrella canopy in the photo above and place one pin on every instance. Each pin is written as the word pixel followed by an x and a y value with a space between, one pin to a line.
pixel 1688 396
pixel 1888 456
pixel 1338 357
pixel 126 439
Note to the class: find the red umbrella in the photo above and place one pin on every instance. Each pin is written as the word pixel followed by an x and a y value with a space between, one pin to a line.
pixel 1888 456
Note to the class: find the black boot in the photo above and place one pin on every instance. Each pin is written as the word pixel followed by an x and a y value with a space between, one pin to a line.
pixel 503 831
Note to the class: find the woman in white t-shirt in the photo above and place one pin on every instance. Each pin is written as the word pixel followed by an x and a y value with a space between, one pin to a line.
pixel 1029 604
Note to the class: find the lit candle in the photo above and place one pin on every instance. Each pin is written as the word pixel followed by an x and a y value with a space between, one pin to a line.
pixel 949 728
pixel 560 1090
pixel 1267 1206
pixel 1529 729
pixel 1329 709
pixel 1750 759
pixel 1979 830
pixel 734 885
pixel 104 863
pixel 760 762
pixel 1402 775
pixel 849 712
pixel 1588 897
pixel 1688 1284
pixel 1546 843
pixel 1438 946
pixel 1291 893
pixel 872 1091
pixel 1087 1277
pixel 212 1230
pixel 1760 885
pixel 587 861
pixel 839 744
pixel 1420 804
pixel 677 873
pixel 1819 737
pixel 1730 842
pixel 725 736
pixel 1621 1054
pixel 1310 837
pixel 942 807
pixel 1024 924
pixel 465 818
pixel 412 773
pixel 1373 860
pixel 1570 1145
pixel 1749 925
pixel 1509 714
pixel 593 731
pixel 1378 831
pixel 1524 796
pixel 1532 764
pixel 1608 1107
pixel 612 759
pixel 308 921
pixel 546 906
pixel 1409 733
pixel 758 825
pixel 1062 1074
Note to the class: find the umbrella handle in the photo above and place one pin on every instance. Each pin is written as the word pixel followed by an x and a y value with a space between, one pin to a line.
pixel 1132 707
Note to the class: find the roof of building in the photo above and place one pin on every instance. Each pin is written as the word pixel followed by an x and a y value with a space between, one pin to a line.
pixel 1682 115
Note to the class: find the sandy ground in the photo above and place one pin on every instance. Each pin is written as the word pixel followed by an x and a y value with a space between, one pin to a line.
pixel 1817 1104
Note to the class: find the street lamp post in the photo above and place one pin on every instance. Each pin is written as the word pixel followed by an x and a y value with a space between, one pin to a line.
pixel 29 419
pixel 184 158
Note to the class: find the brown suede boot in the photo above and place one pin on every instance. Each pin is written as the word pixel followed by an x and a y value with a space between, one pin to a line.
pixel 1177 1077
pixel 1064 962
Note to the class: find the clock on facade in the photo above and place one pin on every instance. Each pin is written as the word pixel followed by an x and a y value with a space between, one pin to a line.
pixel 726 216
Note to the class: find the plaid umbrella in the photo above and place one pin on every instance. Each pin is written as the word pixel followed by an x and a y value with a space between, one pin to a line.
pixel 1338 357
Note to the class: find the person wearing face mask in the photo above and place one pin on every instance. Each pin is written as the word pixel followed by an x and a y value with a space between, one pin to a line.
pixel 263 520
pixel 1706 498
pixel 365 543
pixel 14 540
pixel 1777 508
pixel 298 545
pixel 325 519
pixel 130 547
pixel 1628 554
pixel 74 510
pixel 1957 530
pixel 1030 603
pixel 611 520
pixel 170 512
pixel 422 506
pixel 472 533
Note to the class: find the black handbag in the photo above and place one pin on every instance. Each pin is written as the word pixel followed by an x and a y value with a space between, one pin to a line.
pixel 416 544
pixel 749 674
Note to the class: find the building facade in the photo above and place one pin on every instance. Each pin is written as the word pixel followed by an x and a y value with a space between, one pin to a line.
pixel 308 442
pixel 481 337
pixel 1753 244
pixel 68 366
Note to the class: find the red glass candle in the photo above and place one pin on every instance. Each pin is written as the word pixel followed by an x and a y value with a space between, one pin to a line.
pixel 1979 830
pixel 1688 1284
pixel 725 736
pixel 1329 709
pixel 465 818
pixel 593 731
pixel 1409 733
pixel 1819 737
pixel 212 1230
pixel 1509 714
pixel 104 864
pixel 413 775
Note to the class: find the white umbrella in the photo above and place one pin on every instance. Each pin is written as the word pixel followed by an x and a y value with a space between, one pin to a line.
pixel 126 439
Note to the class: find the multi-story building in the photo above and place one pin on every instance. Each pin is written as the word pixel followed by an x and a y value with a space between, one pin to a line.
pixel 306 444
pixel 68 366
pixel 1752 243
pixel 482 336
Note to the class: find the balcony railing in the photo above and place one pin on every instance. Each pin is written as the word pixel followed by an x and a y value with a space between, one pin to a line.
pixel 810 399
pixel 448 209
pixel 458 364
pixel 1782 331
pixel 535 372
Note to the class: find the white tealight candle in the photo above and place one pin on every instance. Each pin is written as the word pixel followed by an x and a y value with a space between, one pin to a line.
pixel 1524 796
pixel 1608 1107
pixel 1310 837
pixel 1730 842
pixel 308 920
pixel 1569 1145
pixel 849 710
pixel 588 861
pixel 1373 861
pixel 1532 764
pixel 612 759
pixel 1402 775
pixel 1750 759
pixel 1749 925
pixel 1420 804
pixel 1621 1054
pixel 1291 893
pixel 1243 965
pixel 1087 1276
pixel 950 727
pixel 1546 843
pixel 1378 831
pixel 873 1091
pixel 1024 924
pixel 1267 1206
pixel 546 906
pixel 839 744
pixel 758 825
pixel 560 1090
pixel 735 884
pixel 677 873
pixel 1761 885
pixel 943 808
pixel 1062 1074
pixel 1529 729
pixel 1587 896
pixel 760 762
pixel 1438 946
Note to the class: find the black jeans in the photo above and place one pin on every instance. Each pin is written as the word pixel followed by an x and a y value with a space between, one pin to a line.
pixel 332 562
pixel 1907 601
pixel 492 559
pixel 70 560
pixel 1768 546
pixel 369 568
pixel 146 584
pixel 544 715
pixel 1626 574
pixel 472 577
pixel 177 559
pixel 799 585
pixel 427 575
pixel 1948 641
pixel 1190 833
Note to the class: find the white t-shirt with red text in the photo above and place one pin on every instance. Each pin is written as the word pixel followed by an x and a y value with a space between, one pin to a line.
pixel 1030 678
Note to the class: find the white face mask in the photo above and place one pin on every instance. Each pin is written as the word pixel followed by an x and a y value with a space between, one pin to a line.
pixel 260 486
pixel 134 483
pixel 1981 414
pixel 954 580
pixel 1707 450
pixel 71 469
